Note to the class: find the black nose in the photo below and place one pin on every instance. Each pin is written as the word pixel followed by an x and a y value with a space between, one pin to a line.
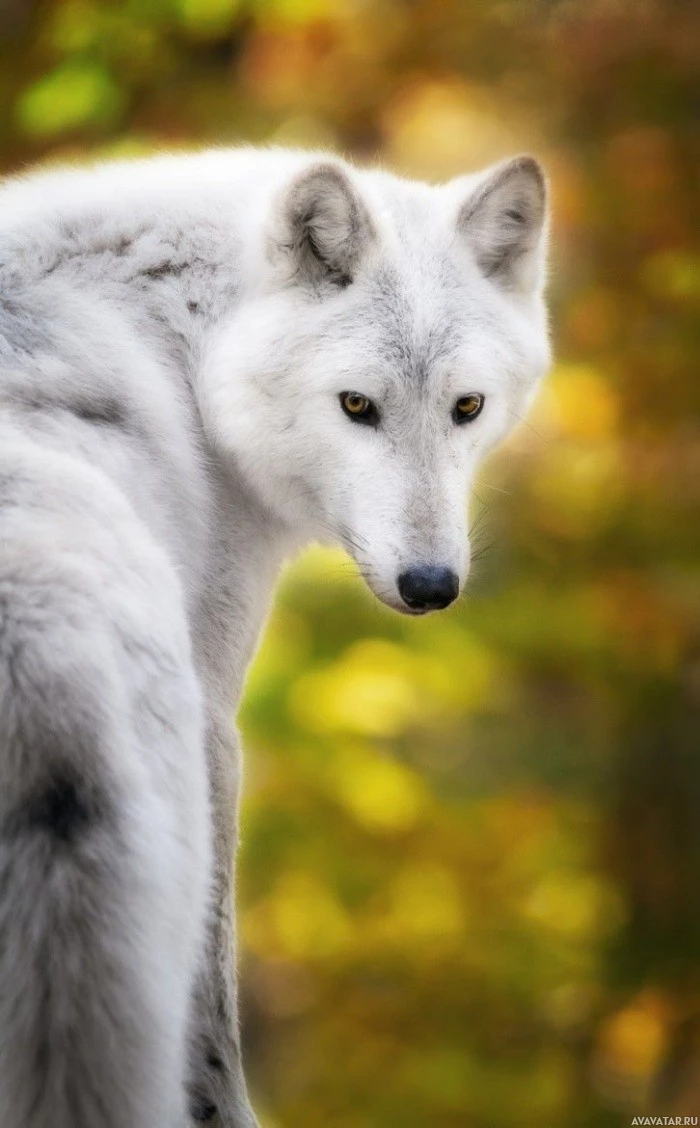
pixel 427 588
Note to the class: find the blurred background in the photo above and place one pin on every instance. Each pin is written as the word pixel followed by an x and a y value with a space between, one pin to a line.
pixel 470 873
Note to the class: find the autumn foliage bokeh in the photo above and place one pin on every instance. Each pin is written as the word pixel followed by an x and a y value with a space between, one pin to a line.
pixel 470 874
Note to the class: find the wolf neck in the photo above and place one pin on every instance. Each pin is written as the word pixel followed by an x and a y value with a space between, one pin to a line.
pixel 246 552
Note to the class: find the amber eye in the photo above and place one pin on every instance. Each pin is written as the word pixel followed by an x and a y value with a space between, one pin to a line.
pixel 358 408
pixel 468 407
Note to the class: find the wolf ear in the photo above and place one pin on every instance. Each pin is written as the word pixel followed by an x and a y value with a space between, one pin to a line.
pixel 504 222
pixel 322 227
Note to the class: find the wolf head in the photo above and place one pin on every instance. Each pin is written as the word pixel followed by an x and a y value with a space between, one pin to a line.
pixel 390 335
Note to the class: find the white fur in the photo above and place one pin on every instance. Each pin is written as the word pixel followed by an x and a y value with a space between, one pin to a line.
pixel 175 336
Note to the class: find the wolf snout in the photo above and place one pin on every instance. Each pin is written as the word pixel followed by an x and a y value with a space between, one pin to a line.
pixel 427 587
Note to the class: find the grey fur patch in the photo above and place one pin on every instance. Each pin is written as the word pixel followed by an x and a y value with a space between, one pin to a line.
pixel 22 330
pixel 202 1113
pixel 60 808
pixel 101 410
pixel 167 269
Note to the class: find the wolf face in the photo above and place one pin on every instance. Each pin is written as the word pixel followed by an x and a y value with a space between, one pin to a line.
pixel 393 334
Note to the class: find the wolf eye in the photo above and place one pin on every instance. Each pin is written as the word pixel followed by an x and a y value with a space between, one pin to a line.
pixel 358 408
pixel 467 407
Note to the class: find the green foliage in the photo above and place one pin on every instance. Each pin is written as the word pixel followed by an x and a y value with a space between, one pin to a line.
pixel 469 888
pixel 73 95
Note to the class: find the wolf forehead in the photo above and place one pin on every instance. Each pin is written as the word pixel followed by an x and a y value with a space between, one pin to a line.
pixel 415 325
pixel 393 326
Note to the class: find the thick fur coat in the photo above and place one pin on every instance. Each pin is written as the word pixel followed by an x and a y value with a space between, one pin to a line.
pixel 206 362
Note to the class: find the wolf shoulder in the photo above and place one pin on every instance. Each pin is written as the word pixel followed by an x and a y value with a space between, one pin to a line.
pixel 88 368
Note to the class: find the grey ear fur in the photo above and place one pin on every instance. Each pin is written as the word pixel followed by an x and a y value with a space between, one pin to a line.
pixel 504 221
pixel 322 227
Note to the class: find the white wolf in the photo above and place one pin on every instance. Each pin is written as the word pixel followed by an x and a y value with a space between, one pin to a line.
pixel 205 362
